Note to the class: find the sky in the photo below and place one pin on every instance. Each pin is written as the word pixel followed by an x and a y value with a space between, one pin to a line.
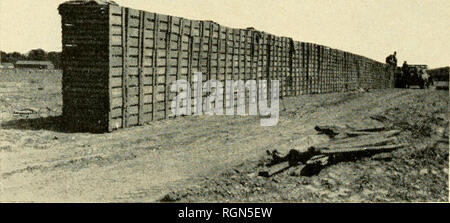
pixel 419 30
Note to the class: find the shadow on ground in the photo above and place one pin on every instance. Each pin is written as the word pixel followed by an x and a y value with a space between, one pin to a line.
pixel 53 123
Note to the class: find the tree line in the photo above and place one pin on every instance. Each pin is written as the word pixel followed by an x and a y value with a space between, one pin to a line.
pixel 36 54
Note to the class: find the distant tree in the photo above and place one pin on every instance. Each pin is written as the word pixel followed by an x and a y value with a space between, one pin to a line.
pixel 3 57
pixel 12 57
pixel 15 56
pixel 37 54
pixel 55 58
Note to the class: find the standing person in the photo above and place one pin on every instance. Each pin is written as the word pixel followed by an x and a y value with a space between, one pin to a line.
pixel 405 74
pixel 388 62
pixel 391 61
pixel 405 68
pixel 394 59
pixel 388 59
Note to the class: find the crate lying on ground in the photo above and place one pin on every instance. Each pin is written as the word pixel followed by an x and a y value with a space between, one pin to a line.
pixel 119 64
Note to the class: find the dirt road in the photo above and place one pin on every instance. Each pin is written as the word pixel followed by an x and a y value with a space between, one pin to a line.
pixel 39 163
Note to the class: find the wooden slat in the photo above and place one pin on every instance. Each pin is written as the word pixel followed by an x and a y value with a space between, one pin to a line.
pixel 306 67
pixel 279 67
pixel 270 63
pixel 210 39
pixel 142 24
pixel 232 54
pixel 200 57
pixel 166 84
pixel 239 54
pixel 261 45
pixel 319 69
pixel 219 45
pixel 226 67
pixel 155 60
pixel 294 66
pixel 245 56
pixel 190 55
pixel 180 39
pixel 125 17
pixel 346 71
pixel 252 53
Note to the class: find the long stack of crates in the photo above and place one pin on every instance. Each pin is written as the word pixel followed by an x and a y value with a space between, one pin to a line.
pixel 119 64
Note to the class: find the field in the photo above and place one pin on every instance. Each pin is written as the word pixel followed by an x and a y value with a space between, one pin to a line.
pixel 214 158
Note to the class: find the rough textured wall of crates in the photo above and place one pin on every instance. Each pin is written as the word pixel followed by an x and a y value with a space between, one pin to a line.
pixel 119 63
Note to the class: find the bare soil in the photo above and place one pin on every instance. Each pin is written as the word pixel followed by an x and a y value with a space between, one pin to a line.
pixel 215 158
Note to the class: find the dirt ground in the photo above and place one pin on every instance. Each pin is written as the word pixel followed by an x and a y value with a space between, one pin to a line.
pixel 214 158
